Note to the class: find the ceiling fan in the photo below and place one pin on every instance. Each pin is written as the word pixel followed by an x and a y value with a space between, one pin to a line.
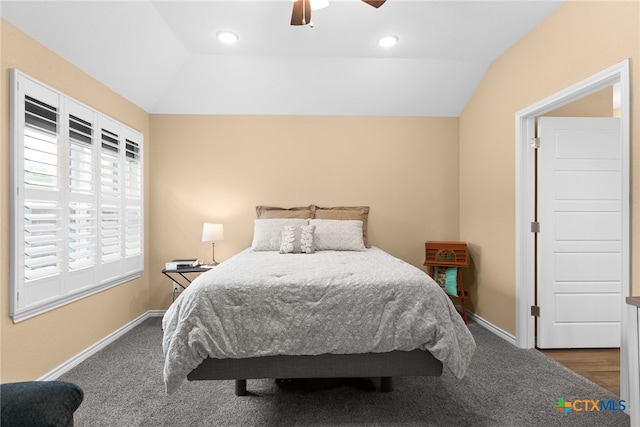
pixel 302 10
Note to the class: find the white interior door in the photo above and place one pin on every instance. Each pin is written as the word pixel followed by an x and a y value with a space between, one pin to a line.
pixel 579 250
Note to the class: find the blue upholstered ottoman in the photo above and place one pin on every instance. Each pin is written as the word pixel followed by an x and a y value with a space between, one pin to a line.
pixel 39 403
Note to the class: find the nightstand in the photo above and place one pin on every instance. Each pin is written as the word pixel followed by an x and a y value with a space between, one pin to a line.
pixel 177 275
pixel 444 255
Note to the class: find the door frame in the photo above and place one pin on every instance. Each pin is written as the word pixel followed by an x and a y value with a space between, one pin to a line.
pixel 525 196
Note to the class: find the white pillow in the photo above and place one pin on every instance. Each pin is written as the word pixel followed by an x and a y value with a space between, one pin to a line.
pixel 267 232
pixel 297 239
pixel 338 235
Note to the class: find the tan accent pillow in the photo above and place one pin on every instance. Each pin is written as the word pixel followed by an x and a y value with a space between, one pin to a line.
pixel 270 212
pixel 346 212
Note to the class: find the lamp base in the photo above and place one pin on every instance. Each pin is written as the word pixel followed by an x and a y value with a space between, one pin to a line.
pixel 213 255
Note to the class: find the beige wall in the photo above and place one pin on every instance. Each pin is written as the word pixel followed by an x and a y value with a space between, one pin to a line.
pixel 598 104
pixel 218 168
pixel 578 41
pixel 35 346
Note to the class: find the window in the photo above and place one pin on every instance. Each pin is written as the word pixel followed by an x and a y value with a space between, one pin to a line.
pixel 77 217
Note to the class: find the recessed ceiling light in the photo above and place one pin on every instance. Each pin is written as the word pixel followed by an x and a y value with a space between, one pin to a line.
pixel 227 37
pixel 316 4
pixel 388 41
pixel 319 4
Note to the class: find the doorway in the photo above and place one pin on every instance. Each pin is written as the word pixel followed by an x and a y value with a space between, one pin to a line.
pixel 525 199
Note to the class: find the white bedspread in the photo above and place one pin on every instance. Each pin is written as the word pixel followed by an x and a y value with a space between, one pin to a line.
pixel 267 303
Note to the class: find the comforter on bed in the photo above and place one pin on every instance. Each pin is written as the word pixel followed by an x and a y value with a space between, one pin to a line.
pixel 340 302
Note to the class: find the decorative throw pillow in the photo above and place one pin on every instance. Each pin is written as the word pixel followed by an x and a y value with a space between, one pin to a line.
pixel 267 232
pixel 338 235
pixel 346 212
pixel 297 239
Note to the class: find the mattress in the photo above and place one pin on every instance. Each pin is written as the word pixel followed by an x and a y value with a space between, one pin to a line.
pixel 263 303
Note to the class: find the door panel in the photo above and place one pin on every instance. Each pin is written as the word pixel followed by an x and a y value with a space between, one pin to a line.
pixel 587 308
pixel 580 240
pixel 586 144
pixel 587 185
pixel 588 226
pixel 573 266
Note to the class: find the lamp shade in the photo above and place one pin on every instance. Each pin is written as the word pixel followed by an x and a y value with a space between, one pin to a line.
pixel 212 232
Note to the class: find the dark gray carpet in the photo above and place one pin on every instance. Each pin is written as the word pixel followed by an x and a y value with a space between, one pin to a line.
pixel 505 386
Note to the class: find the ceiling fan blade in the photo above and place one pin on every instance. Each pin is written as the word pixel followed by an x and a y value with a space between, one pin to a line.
pixel 374 3
pixel 301 12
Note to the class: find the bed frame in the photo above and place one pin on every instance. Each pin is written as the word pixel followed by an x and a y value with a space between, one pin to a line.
pixel 383 365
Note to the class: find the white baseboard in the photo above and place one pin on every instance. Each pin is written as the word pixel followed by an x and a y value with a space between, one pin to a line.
pixel 492 328
pixel 82 356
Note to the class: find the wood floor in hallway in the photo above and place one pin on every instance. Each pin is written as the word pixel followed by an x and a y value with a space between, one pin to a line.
pixel 600 365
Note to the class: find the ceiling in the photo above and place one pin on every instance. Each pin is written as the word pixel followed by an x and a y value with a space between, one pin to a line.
pixel 164 55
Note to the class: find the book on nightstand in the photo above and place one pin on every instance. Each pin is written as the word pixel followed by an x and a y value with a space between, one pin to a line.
pixel 177 264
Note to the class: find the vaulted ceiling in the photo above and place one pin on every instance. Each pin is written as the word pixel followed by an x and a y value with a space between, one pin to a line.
pixel 164 56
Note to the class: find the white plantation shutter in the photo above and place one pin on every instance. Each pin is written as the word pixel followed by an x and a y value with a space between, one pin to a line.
pixel 42 240
pixel 39 227
pixel 77 200
pixel 82 214
pixel 111 203
pixel 82 236
pixel 134 223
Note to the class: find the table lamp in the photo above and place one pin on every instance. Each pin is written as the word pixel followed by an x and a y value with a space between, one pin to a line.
pixel 212 233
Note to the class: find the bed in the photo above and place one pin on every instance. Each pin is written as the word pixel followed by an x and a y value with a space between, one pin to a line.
pixel 341 309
